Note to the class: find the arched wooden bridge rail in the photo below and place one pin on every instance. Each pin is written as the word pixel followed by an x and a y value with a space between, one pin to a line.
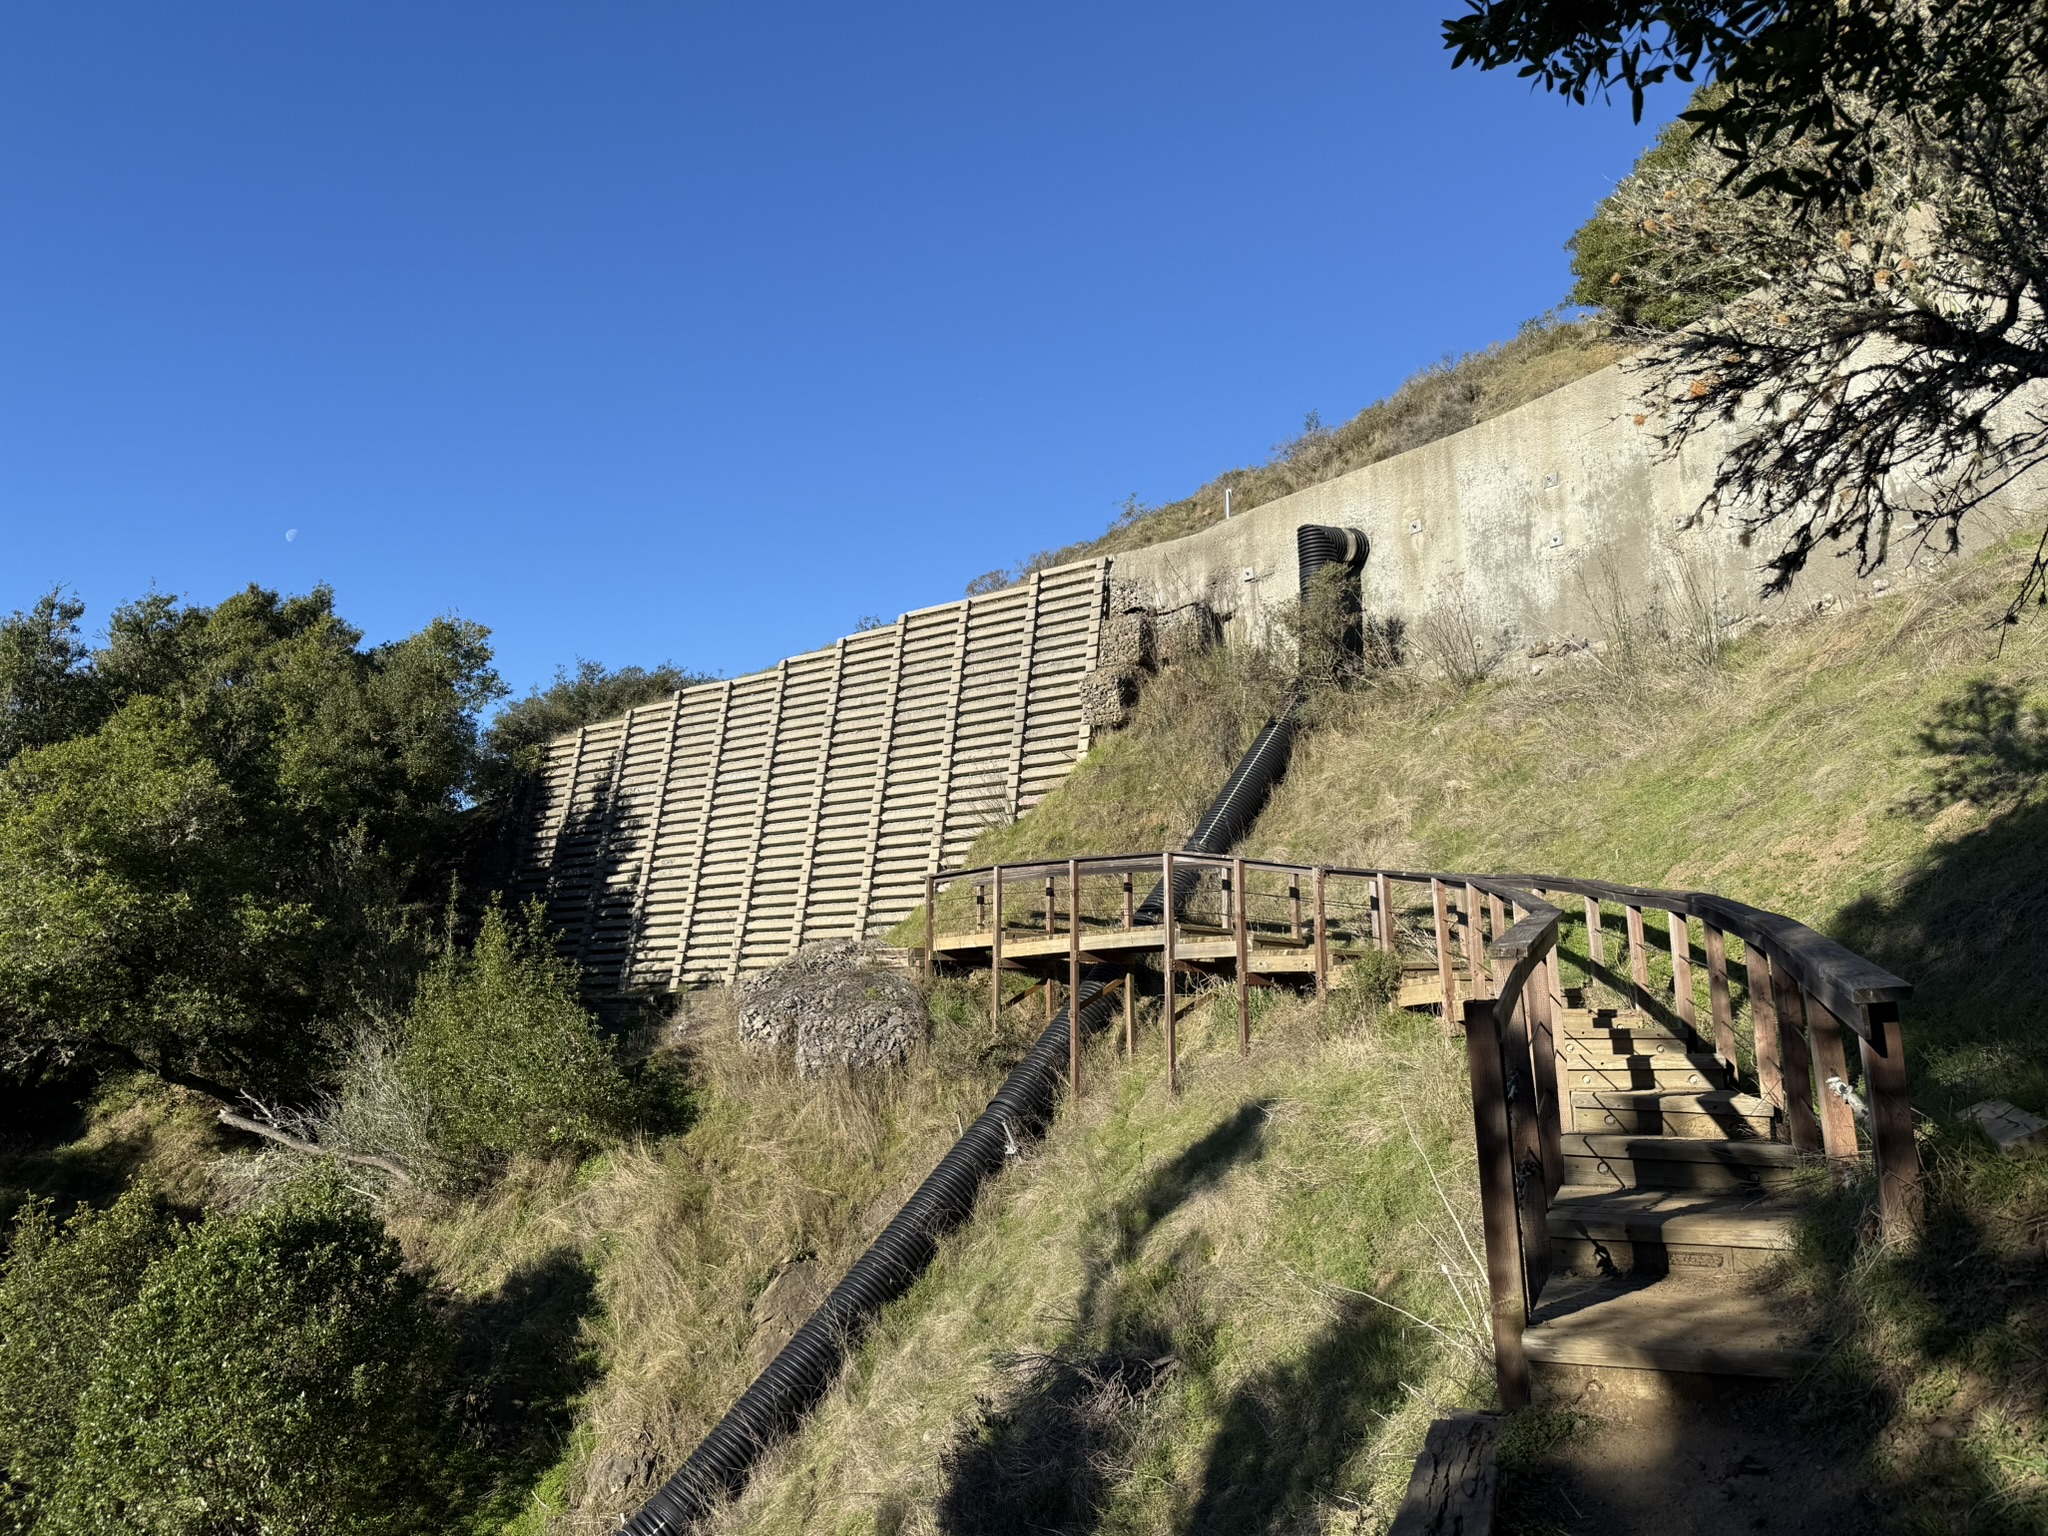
pixel 1483 949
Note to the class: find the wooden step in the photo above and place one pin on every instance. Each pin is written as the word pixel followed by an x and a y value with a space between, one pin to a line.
pixel 1679 1323
pixel 1604 1231
pixel 1586 1071
pixel 1628 1033
pixel 1720 1114
pixel 1677 1162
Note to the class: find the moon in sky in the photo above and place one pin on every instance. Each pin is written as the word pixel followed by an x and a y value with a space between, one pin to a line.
pixel 290 534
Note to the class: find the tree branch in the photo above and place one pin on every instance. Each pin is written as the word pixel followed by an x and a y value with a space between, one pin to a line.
pixel 390 1165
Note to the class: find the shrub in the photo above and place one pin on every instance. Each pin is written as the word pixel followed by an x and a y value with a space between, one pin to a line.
pixel 507 1058
pixel 59 1292
pixel 278 1372
pixel 1368 990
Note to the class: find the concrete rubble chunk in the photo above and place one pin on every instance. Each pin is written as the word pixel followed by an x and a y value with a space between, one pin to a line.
pixel 2013 1131
pixel 838 1003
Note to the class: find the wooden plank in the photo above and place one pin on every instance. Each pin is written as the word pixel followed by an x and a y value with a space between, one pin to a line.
pixel 630 965
pixel 995 952
pixel 949 741
pixel 1596 933
pixel 693 863
pixel 1027 655
pixel 1500 928
pixel 1322 939
pixel 1470 924
pixel 1831 1066
pixel 743 904
pixel 1763 1026
pixel 800 916
pixel 1385 933
pixel 1795 1064
pixel 1719 1004
pixel 607 812
pixel 1900 1199
pixel 1508 1306
pixel 1244 994
pixel 1168 920
pixel 1447 975
pixel 1681 967
pixel 1451 1490
pixel 1074 978
pixel 1638 957
pixel 884 745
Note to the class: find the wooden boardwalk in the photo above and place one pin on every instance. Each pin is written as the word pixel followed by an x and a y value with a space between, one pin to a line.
pixel 1634 1183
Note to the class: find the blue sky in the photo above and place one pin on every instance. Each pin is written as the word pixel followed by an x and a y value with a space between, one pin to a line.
pixel 650 331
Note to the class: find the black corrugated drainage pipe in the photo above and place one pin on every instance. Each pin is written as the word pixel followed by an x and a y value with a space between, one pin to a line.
pixel 1316 545
pixel 797 1377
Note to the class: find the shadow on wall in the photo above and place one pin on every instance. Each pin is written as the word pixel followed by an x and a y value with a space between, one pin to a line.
pixel 1073 1423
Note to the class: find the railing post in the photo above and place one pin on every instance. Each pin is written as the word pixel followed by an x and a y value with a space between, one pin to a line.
pixel 1167 1003
pixel 1536 1002
pixel 1294 905
pixel 1596 933
pixel 1763 1024
pixel 1074 979
pixel 1322 938
pixel 1795 1063
pixel 1507 1296
pixel 1130 913
pixel 1473 938
pixel 1681 969
pixel 1638 958
pixel 995 950
pixel 1130 1013
pixel 1831 1066
pixel 931 904
pixel 1718 1002
pixel 1500 926
pixel 1447 976
pixel 1240 923
pixel 1385 931
pixel 1051 906
pixel 1899 1196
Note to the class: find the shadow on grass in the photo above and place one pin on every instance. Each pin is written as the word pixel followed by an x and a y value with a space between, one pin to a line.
pixel 521 1363
pixel 1942 1359
pixel 1048 1455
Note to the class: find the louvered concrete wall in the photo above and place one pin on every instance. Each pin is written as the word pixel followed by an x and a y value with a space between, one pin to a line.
pixel 712 833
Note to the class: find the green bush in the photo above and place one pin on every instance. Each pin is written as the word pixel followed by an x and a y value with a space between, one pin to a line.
pixel 59 1292
pixel 1368 989
pixel 507 1058
pixel 278 1372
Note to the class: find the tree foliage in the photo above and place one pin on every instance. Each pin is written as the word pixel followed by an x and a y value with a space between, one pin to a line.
pixel 1833 76
pixel 519 734
pixel 505 1057
pixel 214 826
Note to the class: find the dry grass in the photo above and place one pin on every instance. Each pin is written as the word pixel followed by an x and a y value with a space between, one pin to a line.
pixel 1236 1309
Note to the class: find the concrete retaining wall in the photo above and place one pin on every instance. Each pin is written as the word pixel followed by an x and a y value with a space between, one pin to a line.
pixel 1517 532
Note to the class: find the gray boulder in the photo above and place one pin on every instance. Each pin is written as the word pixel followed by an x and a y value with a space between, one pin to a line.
pixel 837 1003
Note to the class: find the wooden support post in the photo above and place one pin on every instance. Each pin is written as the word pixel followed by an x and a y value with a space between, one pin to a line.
pixel 1596 933
pixel 1472 940
pixel 1130 1007
pixel 1130 912
pixel 1638 958
pixel 1535 1003
pixel 1763 1025
pixel 980 907
pixel 1500 926
pixel 1681 969
pixel 1831 1065
pixel 1447 975
pixel 1244 963
pixel 1294 905
pixel 1384 931
pixel 1051 906
pixel 1899 1196
pixel 1507 1300
pixel 995 950
pixel 1795 1062
pixel 1719 1007
pixel 1166 957
pixel 1074 978
pixel 1322 937
pixel 931 907
pixel 1229 897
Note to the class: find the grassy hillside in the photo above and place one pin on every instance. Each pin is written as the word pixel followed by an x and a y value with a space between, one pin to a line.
pixel 1876 772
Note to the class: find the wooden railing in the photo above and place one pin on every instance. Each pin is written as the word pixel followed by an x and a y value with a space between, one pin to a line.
pixel 1485 950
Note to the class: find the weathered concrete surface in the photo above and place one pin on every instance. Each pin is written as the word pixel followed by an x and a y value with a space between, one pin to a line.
pixel 1520 531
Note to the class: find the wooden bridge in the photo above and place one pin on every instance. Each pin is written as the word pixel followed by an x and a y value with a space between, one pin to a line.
pixel 1634 1160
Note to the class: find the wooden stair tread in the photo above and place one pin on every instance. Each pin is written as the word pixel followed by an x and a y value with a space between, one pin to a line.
pixel 1685 1100
pixel 1683 1149
pixel 1671 1324
pixel 1672 1216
